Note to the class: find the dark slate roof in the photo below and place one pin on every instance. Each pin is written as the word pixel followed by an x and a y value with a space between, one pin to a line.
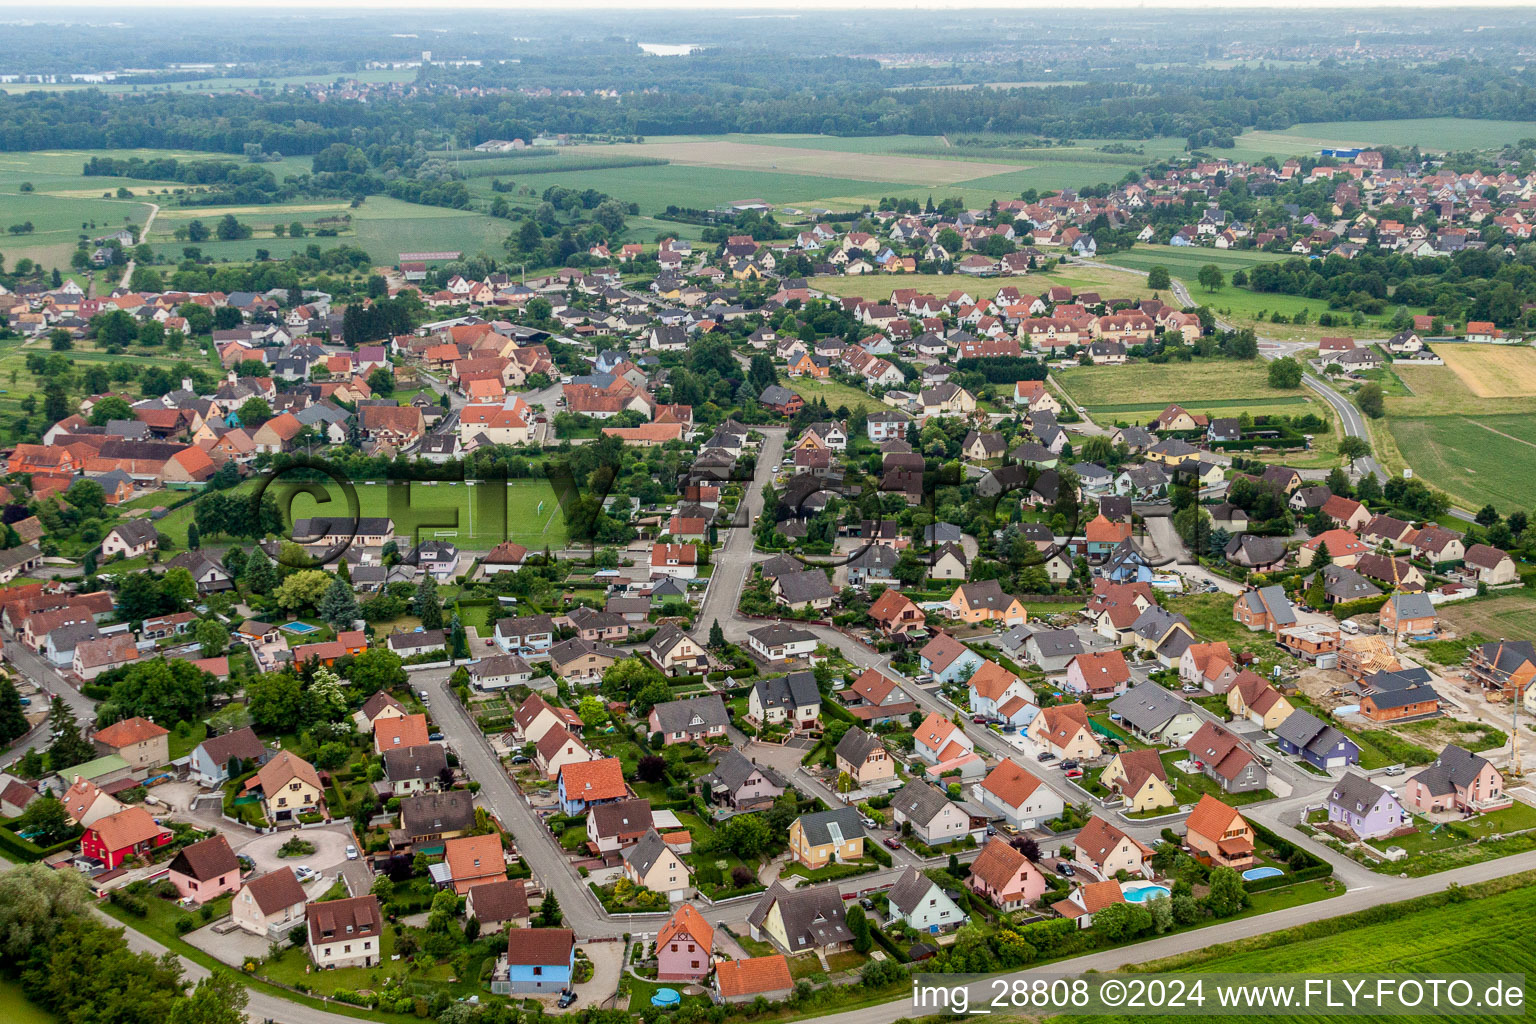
pixel 812 917
pixel 437 812
pixel 1055 643
pixel 856 745
pixel 694 713
pixel 646 852
pixel 910 889
pixel 1456 766
pixel 732 770
pixel 819 827
pixel 1148 706
pixel 796 690
pixel 919 802
pixel 422 761
pixel 1306 731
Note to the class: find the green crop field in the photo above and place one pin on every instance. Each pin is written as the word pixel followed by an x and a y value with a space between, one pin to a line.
pixel 1141 390
pixel 1474 459
pixel 1186 261
pixel 1480 935
pixel 1109 284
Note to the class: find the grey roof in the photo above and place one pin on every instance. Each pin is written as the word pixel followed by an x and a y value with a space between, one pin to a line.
pixel 1272 599
pixel 1343 583
pixel 1413 606
pixel 1306 731
pixel 1156 621
pixel 1054 643
pixel 66 638
pixel 423 761
pixel 780 633
pixel 1397 694
pixel 796 690
pixel 811 585
pixel 812 917
pixel 1356 792
pixel 941 533
pixel 856 745
pixel 691 714
pixel 1456 766
pixel 732 770
pixel 910 890
pixel 136 531
pixel 874 557
pixel 919 802
pixel 431 813
pixel 1148 706
pixel 1507 656
pixel 1250 550
pixel 646 852
pixel 838 825
pixel 567 651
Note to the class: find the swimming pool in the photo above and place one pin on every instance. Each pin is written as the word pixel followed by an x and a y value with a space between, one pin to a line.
pixel 1140 892
pixel 666 997
pixel 301 628
pixel 1264 872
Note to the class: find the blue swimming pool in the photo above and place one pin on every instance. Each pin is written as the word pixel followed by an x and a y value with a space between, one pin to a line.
pixel 1140 892
pixel 666 997
pixel 301 628
pixel 1264 872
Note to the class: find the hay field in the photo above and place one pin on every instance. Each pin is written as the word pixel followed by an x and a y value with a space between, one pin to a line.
pixel 741 156
pixel 1493 371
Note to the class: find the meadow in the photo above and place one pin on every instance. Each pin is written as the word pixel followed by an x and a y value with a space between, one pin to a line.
pixel 212 84
pixel 1137 392
pixel 1107 283
pixel 1476 447
pixel 1510 615
pixel 1186 261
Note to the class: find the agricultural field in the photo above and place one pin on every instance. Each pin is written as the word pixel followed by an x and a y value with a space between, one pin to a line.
pixel 1482 933
pixel 1509 614
pixel 1186 261
pixel 1466 427
pixel 211 84
pixel 1136 393
pixel 429 511
pixel 1107 283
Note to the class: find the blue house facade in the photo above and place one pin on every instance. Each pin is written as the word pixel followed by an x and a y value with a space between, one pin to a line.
pixel 948 660
pixel 1304 735
pixel 537 960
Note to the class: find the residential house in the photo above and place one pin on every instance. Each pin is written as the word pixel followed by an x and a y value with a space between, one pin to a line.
pixel 396 732
pixel 1458 780
pixel 498 905
pixel 289 786
pixel 269 906
pixel 933 817
pixel 696 720
pixel 474 860
pixel 864 758
pixel 1089 899
pixel 1106 851
pixel 211 760
pixel 652 864
pixel 1303 735
pixel 556 749
pixel 1218 754
pixel 683 945
pixel 922 904
pixel 740 981
pixel 1266 608
pixel 744 785
pixel 781 644
pixel 1153 714
pixel 1489 565
pixel 948 660
pixel 801 921
pixel 130 832
pixel 582 785
pixel 875 698
pixel 205 870
pixel 1016 794
pixel 1096 676
pixel 1140 779
pixel 415 769
pixel 131 538
pixel 1409 616
pixel 1052 650
pixel 1366 809
pixel 582 661
pixel 614 826
pixel 1253 698
pixel 1063 730
pixel 1004 877
pixel 345 932
pixel 791 700
pixel 538 960
pixel 140 742
pixel 827 837
pixel 501 672
pixel 1218 835
pixel 938 740
pixel 675 652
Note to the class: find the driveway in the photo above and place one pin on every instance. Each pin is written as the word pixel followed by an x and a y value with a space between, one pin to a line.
pixel 233 948
pixel 607 961
pixel 330 850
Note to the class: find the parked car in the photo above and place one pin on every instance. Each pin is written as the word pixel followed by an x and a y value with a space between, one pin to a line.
pixel 1065 870
pixel 1008 829
pixel 1190 688
pixel 304 873
pixel 979 719
pixel 893 842
pixel 871 823
pixel 567 997
pixel 1074 773
pixel 1266 760
pixel 351 852
pixel 1045 755
pixel 1395 769
pixel 867 903
pixel 520 759
pixel 1070 762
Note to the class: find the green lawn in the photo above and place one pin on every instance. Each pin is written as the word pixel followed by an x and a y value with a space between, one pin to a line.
pixel 1186 261
pixel 1211 617
pixel 15 1009
pixel 1474 458
pixel 835 393
pixel 181 745
pixel 1188 789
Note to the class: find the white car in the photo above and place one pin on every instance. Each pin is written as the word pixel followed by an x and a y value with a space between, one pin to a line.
pixel 351 852
pixel 303 872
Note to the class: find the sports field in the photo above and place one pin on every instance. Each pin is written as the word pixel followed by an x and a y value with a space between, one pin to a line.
pixel 1136 393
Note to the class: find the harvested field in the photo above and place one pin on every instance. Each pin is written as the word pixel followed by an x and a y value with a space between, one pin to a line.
pixel 1493 371
pixel 741 156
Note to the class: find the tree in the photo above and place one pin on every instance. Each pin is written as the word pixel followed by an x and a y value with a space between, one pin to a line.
pixel 302 589
pixel 1321 557
pixel 161 689
pixel 858 925
pixel 1158 280
pixel 1227 895
pixel 1371 400
pixel 254 411
pixel 46 821
pixel 194 539
pixel 275 700
pixel 35 903
pixel 382 382
pixel 1285 372
pixel 197 231
pixel 549 913
pixel 13 720
pixel 425 602
pixel 1352 448
pixel 213 636
pixel 716 635
pixel 1487 516
pixel 59 340
pixel 1211 278
pixel 258 573
pixel 110 408
pixel 67 747
pixel 592 711
pixel 746 835
pixel 1317 593
pixel 219 998
pixel 458 640
pixel 1517 523
pixel 377 668
pixel 651 768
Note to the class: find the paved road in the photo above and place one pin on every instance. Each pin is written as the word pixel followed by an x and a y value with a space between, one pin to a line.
pixel 37 669
pixel 154 210
pixel 734 557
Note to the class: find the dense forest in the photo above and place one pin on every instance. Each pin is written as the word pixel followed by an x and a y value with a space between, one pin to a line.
pixel 1208 107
